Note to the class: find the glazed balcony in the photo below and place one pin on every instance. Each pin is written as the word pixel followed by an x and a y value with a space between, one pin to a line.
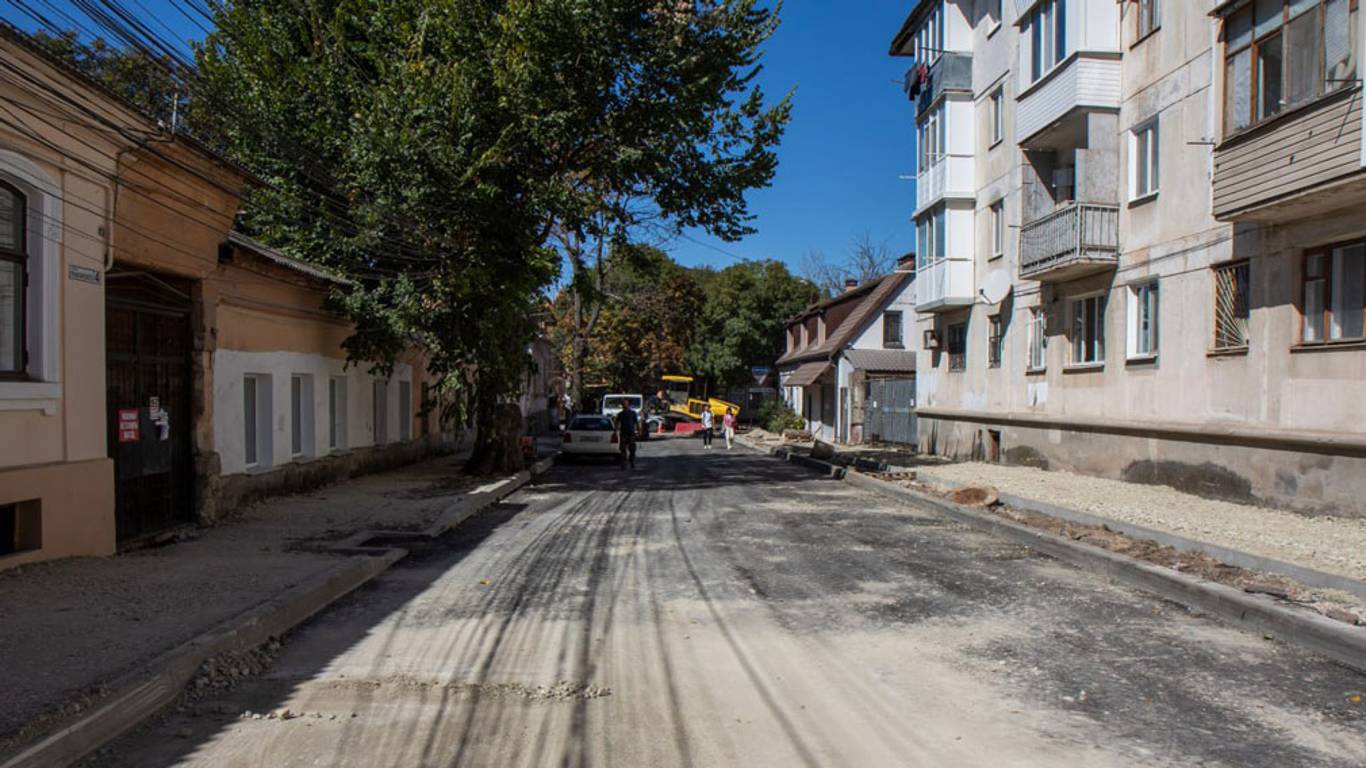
pixel 943 285
pixel 947 176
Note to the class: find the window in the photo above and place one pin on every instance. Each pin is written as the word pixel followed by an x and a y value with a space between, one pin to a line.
pixel 336 413
pixel 13 283
pixel 1334 294
pixel 891 330
pixel 998 229
pixel 1088 330
pixel 1047 37
pixel 958 347
pixel 21 527
pixel 381 412
pixel 1279 54
pixel 405 411
pixel 931 138
pixel 1143 160
pixel 250 438
pixel 1143 320
pixel 1149 17
pixel 995 341
pixel 930 234
pixel 994 11
pixel 998 118
pixel 929 40
pixel 296 415
pixel 1232 283
pixel 1038 339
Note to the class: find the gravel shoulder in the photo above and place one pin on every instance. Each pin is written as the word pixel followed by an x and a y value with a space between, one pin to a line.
pixel 1330 544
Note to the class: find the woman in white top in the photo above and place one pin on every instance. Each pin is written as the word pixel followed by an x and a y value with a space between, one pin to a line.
pixel 707 421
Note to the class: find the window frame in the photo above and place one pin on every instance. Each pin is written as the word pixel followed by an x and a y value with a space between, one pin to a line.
pixel 1050 15
pixel 1255 42
pixel 957 352
pixel 1148 131
pixel 19 257
pixel 997 107
pixel 251 422
pixel 1086 353
pixel 997 221
pixel 1143 296
pixel 996 335
pixel 1154 19
pixel 1328 280
pixel 1246 316
pixel 1038 341
pixel 887 322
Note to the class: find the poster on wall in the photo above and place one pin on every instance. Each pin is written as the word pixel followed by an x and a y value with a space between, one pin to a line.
pixel 128 425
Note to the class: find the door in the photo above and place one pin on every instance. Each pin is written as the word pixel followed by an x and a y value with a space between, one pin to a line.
pixel 844 415
pixel 148 383
pixel 889 411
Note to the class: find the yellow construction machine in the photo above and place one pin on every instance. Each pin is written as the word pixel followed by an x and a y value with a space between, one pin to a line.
pixel 679 399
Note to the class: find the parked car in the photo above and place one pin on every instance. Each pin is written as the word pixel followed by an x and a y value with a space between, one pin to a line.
pixel 590 435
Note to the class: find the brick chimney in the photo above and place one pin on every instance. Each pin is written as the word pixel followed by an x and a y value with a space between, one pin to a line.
pixel 906 263
pixel 850 284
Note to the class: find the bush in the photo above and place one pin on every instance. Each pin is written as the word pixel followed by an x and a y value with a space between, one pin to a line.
pixel 775 417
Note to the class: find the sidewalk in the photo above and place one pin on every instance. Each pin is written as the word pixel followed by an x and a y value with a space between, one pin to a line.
pixel 1329 544
pixel 69 629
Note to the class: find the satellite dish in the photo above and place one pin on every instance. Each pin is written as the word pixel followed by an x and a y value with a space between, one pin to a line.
pixel 995 286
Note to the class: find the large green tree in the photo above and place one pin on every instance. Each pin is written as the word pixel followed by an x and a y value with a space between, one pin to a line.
pixel 439 151
pixel 742 322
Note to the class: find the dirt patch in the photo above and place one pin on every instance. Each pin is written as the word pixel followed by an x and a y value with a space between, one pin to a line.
pixel 975 497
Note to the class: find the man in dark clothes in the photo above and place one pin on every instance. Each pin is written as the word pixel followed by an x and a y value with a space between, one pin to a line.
pixel 628 426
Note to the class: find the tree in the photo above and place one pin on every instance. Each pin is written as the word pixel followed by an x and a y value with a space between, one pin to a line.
pixel 144 82
pixel 865 261
pixel 744 319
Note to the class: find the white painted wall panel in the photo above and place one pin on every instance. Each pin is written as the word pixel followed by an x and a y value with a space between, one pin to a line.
pixel 1082 82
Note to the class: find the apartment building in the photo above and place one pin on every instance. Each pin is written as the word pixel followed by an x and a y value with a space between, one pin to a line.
pixel 1167 269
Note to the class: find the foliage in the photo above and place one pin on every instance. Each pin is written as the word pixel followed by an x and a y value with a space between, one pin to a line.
pixel 742 323
pixel 141 81
pixel 865 261
pixel 776 416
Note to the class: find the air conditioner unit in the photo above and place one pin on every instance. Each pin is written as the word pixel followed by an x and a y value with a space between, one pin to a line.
pixel 931 340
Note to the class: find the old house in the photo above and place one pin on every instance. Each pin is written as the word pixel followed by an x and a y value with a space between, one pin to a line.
pixel 849 361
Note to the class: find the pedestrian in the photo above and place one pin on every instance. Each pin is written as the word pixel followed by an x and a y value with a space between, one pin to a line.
pixel 627 424
pixel 728 428
pixel 707 422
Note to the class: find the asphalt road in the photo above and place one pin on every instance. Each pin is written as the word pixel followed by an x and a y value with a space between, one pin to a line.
pixel 720 608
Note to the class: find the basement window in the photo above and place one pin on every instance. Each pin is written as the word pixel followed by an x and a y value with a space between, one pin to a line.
pixel 21 527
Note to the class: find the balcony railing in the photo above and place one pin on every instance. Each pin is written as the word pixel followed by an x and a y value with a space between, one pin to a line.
pixel 1070 242
pixel 945 176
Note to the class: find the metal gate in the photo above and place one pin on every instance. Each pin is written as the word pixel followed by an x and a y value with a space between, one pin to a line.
pixel 889 411
pixel 148 348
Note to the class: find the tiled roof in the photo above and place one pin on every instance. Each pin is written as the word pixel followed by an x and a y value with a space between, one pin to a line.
pixel 882 290
pixel 881 360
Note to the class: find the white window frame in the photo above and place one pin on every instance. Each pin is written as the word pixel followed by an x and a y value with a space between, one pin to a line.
pixel 302 429
pixel 336 413
pixel 1038 340
pixel 997 219
pixel 996 12
pixel 997 114
pixel 1045 17
pixel 1150 10
pixel 1144 313
pixel 1084 354
pixel 42 391
pixel 1145 149
pixel 258 432
pixel 931 139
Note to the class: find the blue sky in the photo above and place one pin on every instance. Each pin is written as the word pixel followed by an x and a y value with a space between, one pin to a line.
pixel 850 139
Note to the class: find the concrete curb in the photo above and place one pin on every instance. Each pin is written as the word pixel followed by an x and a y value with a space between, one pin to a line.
pixel 141 694
pixel 1332 639
pixel 1307 576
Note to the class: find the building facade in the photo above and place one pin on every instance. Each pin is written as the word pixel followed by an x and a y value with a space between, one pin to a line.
pixel 1167 267
pixel 847 348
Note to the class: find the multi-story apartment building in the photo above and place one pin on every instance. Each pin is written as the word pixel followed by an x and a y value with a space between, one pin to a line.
pixel 1168 275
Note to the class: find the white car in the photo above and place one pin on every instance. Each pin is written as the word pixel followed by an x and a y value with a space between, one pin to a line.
pixel 612 405
pixel 590 435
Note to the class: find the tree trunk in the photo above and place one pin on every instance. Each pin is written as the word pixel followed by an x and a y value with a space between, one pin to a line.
pixel 497 436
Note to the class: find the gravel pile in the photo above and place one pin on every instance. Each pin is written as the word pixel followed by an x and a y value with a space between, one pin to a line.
pixel 1334 545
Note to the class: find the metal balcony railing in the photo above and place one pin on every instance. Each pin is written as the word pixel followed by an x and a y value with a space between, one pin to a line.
pixel 1073 236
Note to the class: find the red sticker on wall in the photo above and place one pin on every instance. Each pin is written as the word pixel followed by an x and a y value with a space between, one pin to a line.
pixel 128 425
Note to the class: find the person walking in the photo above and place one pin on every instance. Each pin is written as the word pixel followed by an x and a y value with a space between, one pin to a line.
pixel 628 424
pixel 728 428
pixel 707 422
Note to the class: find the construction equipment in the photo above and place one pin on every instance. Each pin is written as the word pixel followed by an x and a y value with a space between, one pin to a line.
pixel 681 397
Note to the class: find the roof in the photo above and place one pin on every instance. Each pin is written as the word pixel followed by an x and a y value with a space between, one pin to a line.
pixel 908 26
pixel 881 360
pixel 807 374
pixel 264 251
pixel 834 301
pixel 880 291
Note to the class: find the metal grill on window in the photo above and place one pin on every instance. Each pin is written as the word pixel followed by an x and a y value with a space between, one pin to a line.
pixel 1231 285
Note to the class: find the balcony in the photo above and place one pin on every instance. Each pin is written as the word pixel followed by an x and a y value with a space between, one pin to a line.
pixel 947 176
pixel 950 72
pixel 1050 112
pixel 1303 163
pixel 943 285
pixel 1078 240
